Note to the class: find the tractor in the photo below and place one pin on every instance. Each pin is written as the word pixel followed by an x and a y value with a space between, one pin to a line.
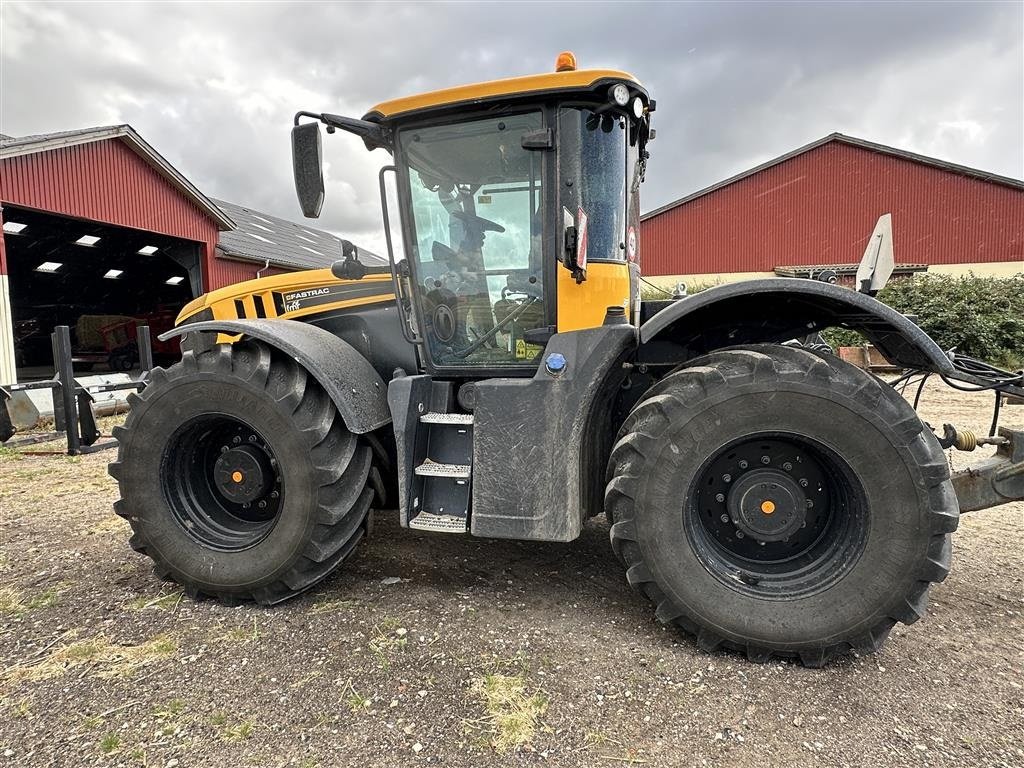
pixel 501 377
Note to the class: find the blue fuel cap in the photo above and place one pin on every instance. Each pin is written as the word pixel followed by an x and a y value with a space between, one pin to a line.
pixel 555 363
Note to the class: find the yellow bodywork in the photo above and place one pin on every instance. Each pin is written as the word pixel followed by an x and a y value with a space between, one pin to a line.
pixel 551 82
pixel 584 305
pixel 240 299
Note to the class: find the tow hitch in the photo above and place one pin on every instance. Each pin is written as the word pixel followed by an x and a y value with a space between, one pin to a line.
pixel 998 480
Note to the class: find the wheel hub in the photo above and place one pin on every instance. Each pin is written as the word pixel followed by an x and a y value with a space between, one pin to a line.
pixel 767 505
pixel 243 475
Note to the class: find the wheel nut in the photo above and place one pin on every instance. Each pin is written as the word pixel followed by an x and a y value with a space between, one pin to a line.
pixel 223 449
pixel 274 494
pixel 810 503
pixel 236 440
pixel 766 460
pixel 719 497
pixel 761 543
pixel 724 518
pixel 743 464
pixel 262 504
pixel 727 478
pixel 739 534
pixel 252 438
pixel 803 482
pixel 787 466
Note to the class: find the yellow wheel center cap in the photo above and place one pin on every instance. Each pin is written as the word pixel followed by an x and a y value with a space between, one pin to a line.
pixel 238 477
pixel 768 506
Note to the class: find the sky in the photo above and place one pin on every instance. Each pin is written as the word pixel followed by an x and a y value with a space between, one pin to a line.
pixel 213 86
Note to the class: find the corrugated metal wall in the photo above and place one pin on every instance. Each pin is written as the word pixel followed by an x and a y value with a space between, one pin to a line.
pixel 107 181
pixel 820 208
pixel 223 272
pixel 103 181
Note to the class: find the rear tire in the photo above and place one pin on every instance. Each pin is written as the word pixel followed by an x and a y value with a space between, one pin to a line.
pixel 779 503
pixel 239 477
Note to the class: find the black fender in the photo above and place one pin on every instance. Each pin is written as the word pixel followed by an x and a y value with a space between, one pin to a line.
pixel 354 386
pixel 780 309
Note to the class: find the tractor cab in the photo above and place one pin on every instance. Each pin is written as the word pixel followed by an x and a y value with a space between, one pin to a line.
pixel 519 203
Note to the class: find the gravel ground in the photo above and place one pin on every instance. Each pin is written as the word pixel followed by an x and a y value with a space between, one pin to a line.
pixel 458 651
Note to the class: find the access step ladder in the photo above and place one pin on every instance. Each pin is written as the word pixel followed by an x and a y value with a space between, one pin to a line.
pixel 441 479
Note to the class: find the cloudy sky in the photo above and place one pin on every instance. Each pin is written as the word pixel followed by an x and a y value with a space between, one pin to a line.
pixel 213 86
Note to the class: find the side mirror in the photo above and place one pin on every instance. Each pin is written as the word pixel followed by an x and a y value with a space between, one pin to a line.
pixel 307 165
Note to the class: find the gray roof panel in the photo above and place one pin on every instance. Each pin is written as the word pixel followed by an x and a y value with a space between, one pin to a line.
pixel 261 237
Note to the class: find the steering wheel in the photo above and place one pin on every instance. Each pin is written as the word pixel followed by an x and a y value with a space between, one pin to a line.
pixel 477 223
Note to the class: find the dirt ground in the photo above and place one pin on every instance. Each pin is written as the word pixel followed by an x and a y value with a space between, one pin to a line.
pixel 449 650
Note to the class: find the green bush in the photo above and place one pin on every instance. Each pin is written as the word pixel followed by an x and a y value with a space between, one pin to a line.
pixel 978 316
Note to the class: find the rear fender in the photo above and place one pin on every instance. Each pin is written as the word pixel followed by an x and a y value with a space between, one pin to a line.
pixel 780 309
pixel 356 389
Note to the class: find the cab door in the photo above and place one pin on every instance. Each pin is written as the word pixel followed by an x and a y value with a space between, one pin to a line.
pixel 594 189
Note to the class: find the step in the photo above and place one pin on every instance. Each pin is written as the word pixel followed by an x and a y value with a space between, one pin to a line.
pixel 428 521
pixel 432 469
pixel 446 418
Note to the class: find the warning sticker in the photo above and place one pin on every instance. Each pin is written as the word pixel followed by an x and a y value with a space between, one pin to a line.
pixel 581 238
pixel 526 351
pixel 631 243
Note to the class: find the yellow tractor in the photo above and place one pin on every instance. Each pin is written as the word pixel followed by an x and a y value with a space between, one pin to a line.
pixel 502 378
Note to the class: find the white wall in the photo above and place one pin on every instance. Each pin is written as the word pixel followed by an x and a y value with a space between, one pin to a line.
pixel 8 374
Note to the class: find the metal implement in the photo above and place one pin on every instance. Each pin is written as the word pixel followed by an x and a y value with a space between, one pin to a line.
pixel 998 480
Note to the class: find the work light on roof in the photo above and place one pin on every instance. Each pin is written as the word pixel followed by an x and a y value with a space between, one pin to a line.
pixel 113 274
pixel 619 93
pixel 13 227
pixel 87 240
pixel 49 266
pixel 176 280
pixel 147 250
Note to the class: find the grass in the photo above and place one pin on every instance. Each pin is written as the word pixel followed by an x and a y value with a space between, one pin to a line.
pixel 6 452
pixel 388 636
pixel 161 602
pixel 238 731
pixel 14 603
pixel 322 605
pixel 356 701
pixel 228 730
pixel 112 660
pixel 110 744
pixel 513 714
pixel 241 634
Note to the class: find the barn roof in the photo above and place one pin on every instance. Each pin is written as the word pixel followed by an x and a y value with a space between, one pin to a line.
pixel 853 142
pixel 42 142
pixel 262 238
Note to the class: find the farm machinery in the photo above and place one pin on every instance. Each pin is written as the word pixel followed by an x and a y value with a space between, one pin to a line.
pixel 502 378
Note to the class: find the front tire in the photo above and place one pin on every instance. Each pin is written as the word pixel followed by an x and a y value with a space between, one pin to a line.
pixel 239 477
pixel 779 503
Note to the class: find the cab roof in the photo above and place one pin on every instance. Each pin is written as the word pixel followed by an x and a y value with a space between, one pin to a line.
pixel 493 90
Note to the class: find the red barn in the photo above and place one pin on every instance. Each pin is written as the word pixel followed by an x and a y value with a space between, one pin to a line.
pixel 818 204
pixel 99 229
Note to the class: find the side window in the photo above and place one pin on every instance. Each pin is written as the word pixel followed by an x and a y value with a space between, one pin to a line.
pixel 592 168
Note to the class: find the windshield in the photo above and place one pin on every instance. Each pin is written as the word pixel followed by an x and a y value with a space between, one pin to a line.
pixel 476 202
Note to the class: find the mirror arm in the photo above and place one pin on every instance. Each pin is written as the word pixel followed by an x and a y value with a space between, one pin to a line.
pixel 372 134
